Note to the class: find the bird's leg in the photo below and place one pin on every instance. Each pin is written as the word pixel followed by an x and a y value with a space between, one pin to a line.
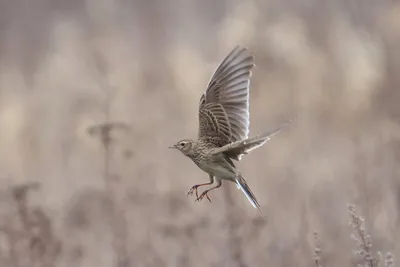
pixel 205 193
pixel 194 188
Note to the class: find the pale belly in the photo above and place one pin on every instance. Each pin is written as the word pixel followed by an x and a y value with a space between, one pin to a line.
pixel 218 170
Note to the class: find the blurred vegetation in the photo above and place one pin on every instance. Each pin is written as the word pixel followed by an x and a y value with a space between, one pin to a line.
pixel 92 92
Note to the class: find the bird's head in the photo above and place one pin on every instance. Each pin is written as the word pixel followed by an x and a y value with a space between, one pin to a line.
pixel 185 146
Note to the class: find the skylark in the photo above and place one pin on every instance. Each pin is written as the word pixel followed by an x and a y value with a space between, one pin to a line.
pixel 224 125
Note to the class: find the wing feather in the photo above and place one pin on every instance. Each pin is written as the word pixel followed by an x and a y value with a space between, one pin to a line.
pixel 237 149
pixel 226 99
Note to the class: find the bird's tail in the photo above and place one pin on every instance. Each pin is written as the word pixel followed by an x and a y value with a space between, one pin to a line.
pixel 242 185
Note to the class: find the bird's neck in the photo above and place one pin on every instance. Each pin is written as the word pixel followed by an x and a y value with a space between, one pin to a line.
pixel 194 151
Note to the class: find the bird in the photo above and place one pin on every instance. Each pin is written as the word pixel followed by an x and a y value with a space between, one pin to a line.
pixel 224 121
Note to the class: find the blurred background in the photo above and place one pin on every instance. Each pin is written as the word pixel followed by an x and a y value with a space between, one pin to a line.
pixel 92 92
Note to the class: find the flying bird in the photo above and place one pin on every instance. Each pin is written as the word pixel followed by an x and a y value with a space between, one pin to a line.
pixel 224 126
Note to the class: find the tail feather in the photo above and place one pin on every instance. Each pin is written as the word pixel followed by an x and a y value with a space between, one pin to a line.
pixel 242 184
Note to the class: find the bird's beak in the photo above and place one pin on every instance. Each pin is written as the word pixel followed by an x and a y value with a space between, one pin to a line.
pixel 172 146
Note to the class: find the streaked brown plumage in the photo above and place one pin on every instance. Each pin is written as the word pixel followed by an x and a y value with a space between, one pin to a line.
pixel 224 125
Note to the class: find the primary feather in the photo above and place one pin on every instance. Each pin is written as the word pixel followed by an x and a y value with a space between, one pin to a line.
pixel 224 106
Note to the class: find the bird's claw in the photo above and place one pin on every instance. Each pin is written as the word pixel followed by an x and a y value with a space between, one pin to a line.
pixel 193 189
pixel 204 194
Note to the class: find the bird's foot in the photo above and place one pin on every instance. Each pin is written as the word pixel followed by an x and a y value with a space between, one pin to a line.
pixel 204 194
pixel 192 190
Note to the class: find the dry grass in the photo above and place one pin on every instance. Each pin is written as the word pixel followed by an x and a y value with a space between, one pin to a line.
pixel 93 93
pixel 363 240
pixel 28 237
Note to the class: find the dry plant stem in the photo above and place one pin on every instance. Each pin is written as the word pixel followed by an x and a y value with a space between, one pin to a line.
pixel 20 198
pixel 362 238
pixel 317 250
pixel 389 261
pixel 117 218
pixel 40 247
pixel 368 258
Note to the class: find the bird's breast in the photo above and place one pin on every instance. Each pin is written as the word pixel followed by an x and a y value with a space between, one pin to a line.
pixel 216 166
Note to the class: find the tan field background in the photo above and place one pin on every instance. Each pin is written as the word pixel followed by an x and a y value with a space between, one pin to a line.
pixel 92 92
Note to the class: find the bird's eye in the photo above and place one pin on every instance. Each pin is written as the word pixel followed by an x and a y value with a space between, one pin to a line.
pixel 182 144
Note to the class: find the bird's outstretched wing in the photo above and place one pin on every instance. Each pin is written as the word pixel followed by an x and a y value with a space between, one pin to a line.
pixel 224 106
pixel 236 149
